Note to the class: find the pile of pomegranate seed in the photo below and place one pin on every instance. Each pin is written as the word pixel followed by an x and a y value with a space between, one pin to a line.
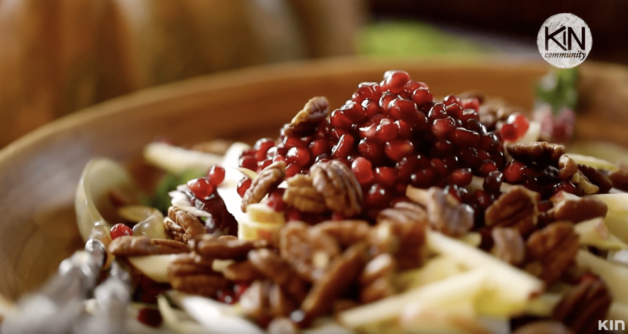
pixel 393 134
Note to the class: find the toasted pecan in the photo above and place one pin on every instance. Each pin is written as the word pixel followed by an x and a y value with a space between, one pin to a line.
pixel 190 225
pixel 301 194
pixel 337 183
pixel 582 307
pixel 142 245
pixel 305 122
pixel 265 181
pixel 554 248
pixel 514 208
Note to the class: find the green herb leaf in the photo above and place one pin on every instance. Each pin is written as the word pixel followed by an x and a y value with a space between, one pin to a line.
pixel 559 89
pixel 169 182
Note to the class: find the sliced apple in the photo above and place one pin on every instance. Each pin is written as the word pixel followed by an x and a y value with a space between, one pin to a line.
pixel 177 321
pixel 593 162
pixel 177 160
pixel 543 305
pixel 593 232
pixel 614 275
pixel 154 267
pixel 615 202
pixel 434 270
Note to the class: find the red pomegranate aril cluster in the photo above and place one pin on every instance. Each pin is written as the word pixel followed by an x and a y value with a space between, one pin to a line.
pixel 119 230
pixel 216 175
pixel 201 188
pixel 243 185
pixel 515 127
pixel 363 170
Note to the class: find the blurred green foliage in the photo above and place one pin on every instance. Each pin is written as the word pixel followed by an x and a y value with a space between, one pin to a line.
pixel 559 89
pixel 169 182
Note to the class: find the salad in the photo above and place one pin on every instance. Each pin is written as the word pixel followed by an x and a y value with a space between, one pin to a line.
pixel 395 213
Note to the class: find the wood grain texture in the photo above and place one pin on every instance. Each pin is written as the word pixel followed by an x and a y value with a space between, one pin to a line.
pixel 39 172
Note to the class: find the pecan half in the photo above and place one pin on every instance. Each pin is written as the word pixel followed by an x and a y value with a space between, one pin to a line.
pixel 584 184
pixel 577 210
pixel 539 153
pixel 620 179
pixel 567 167
pixel 305 122
pixel 543 327
pixel 308 253
pixel 255 302
pixel 278 271
pixel 376 278
pixel 596 177
pixel 446 214
pixel 403 212
pixel 187 276
pixel 242 272
pixel 403 239
pixel 509 245
pixel 554 248
pixel 189 225
pixel 346 232
pixel 584 306
pixel 514 208
pixel 265 181
pixel 301 194
pixel 139 246
pixel 340 188
pixel 342 272
pixel 225 248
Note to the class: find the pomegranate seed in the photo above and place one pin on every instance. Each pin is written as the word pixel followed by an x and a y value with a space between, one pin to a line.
pixel 243 185
pixel 336 133
pixel 290 142
pixel 322 158
pixel 371 108
pixel 421 96
pixel 451 99
pixel 439 167
pixel 483 155
pixel 487 166
pixel 402 109
pixel 368 130
pixel 454 110
pixel 464 138
pixel 483 199
pixel 384 102
pixel 372 150
pixel 387 176
pixel 472 103
pixel 369 90
pixel 461 177
pixel 261 165
pixel 520 122
pixel 423 178
pixel 248 162
pixel 468 114
pixel 249 152
pixel 340 120
pixel 216 175
pixel 119 230
pixel 436 112
pixel 454 191
pixel 565 186
pixel 489 142
pixel 532 183
pixel 354 111
pixel 239 289
pixel 442 147
pixel 275 200
pixel 412 85
pixel 343 148
pixel 292 169
pixel 386 130
pixel 378 196
pixel 394 81
pixel 452 162
pixel 363 170
pixel 443 126
pixel 319 146
pixel 588 277
pixel 475 125
pixel 201 188
pixel 292 214
pixel 398 149
pixel 514 172
pixel 405 131
pixel 150 317
pixel 509 132
pixel 499 158
pixel 298 155
pixel 262 146
pixel 225 296
pixel 493 182
pixel 469 157
pixel 278 158
pixel 356 98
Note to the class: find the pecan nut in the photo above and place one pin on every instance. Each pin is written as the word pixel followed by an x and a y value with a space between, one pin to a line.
pixel 567 167
pixel 346 232
pixel 189 225
pixel 584 306
pixel 448 215
pixel 379 289
pixel 402 238
pixel 403 212
pixel 509 245
pixel 255 302
pixel 301 194
pixel 305 122
pixel 539 153
pixel 308 253
pixel 620 179
pixel 142 245
pixel 242 272
pixel 342 272
pixel 265 181
pixel 341 190
pixel 190 277
pixel 598 178
pixel 514 208
pixel 279 271
pixel 281 304
pixel 225 248
pixel 376 278
pixel 584 184
pixel 554 248
pixel 578 210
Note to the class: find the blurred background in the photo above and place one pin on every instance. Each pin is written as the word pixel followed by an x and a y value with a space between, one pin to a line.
pixel 60 56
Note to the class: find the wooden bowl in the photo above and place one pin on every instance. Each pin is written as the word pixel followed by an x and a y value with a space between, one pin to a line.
pixel 39 172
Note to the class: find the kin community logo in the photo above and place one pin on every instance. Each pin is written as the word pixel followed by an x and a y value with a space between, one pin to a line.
pixel 611 325
pixel 564 40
